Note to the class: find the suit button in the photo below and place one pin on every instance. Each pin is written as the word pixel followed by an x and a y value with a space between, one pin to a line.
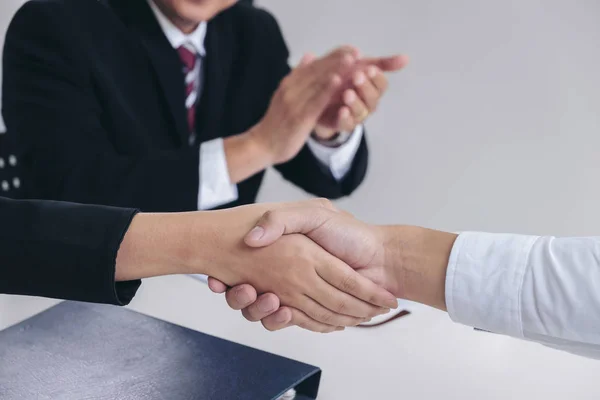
pixel 5 186
pixel 16 183
pixel 12 160
pixel 1 162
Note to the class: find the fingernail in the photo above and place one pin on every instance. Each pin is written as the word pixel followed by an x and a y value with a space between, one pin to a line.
pixel 359 79
pixel 257 233
pixel 340 328
pixel 372 72
pixel 384 311
pixel 265 306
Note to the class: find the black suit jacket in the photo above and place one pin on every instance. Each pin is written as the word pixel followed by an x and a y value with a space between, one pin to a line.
pixel 95 94
pixel 62 250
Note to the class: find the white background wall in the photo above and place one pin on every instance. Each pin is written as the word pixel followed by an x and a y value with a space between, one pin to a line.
pixel 495 126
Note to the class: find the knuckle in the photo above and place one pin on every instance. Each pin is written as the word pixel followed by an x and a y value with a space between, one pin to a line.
pixel 286 98
pixel 349 283
pixel 374 299
pixel 269 216
pixel 325 203
pixel 326 317
pixel 285 83
pixel 341 307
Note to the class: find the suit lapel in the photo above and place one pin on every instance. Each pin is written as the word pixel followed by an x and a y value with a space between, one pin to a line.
pixel 164 59
pixel 220 47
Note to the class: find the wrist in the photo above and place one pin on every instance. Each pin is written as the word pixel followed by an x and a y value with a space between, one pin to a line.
pixel 247 154
pixel 259 144
pixel 417 260
pixel 154 245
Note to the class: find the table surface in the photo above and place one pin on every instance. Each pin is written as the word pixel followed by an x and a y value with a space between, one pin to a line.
pixel 422 356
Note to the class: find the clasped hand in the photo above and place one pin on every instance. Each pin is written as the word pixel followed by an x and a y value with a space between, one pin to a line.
pixel 324 274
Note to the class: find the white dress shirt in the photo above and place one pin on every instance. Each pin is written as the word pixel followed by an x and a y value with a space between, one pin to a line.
pixel 542 289
pixel 216 187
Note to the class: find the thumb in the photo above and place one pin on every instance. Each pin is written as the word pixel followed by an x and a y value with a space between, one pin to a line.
pixel 276 223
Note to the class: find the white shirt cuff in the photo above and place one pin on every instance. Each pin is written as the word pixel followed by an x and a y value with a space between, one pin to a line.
pixel 484 281
pixel 338 159
pixel 215 187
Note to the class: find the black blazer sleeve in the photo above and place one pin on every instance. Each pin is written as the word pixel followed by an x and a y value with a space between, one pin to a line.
pixel 48 94
pixel 63 250
pixel 305 170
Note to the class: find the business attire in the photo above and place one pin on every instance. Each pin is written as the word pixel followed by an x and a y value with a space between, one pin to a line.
pixel 62 250
pixel 542 289
pixel 112 104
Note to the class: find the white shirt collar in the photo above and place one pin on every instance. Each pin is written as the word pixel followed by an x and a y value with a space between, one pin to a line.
pixel 175 36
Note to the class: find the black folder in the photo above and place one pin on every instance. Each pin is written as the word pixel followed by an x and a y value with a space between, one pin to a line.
pixel 85 351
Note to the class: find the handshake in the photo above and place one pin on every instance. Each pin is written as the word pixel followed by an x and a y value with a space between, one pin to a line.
pixel 305 264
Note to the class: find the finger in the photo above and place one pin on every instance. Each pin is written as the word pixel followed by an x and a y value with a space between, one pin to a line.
pixel 320 73
pixel 275 223
pixel 378 79
pixel 216 286
pixel 304 78
pixel 321 96
pixel 358 109
pixel 254 237
pixel 346 121
pixel 307 59
pixel 286 317
pixel 241 296
pixel 366 89
pixel 343 303
pixel 264 306
pixel 311 86
pixel 343 277
pixel 280 319
pixel 324 315
pixel 387 64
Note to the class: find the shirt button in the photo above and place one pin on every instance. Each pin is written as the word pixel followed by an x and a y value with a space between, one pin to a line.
pixel 5 186
pixel 16 183
pixel 12 160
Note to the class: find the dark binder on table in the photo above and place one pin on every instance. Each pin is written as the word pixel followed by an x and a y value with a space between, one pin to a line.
pixel 85 351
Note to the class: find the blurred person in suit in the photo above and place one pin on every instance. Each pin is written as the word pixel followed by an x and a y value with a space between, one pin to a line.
pixel 180 105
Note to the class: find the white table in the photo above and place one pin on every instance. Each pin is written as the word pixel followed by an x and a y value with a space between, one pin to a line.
pixel 423 356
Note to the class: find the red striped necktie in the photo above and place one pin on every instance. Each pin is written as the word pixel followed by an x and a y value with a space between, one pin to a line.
pixel 191 72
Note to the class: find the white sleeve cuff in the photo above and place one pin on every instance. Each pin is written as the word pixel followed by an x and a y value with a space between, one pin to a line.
pixel 338 159
pixel 215 187
pixel 485 279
